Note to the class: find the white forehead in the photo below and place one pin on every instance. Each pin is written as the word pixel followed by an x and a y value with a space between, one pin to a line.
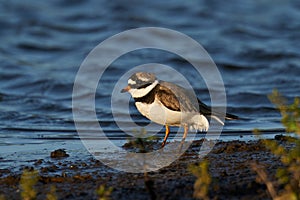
pixel 131 82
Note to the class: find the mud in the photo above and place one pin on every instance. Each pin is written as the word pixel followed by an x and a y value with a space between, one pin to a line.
pixel 232 176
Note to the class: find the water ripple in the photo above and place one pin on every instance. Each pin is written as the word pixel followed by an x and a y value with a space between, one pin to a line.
pixel 44 43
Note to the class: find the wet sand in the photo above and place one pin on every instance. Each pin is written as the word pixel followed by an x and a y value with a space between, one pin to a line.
pixel 232 176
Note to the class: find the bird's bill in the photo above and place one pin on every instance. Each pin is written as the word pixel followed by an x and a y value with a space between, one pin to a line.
pixel 126 89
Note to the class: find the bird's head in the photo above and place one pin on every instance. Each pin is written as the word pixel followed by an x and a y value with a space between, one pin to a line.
pixel 140 84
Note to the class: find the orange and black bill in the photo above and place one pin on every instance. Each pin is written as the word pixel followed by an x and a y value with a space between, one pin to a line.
pixel 125 89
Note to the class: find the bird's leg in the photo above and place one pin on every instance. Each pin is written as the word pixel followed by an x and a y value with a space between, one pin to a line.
pixel 166 136
pixel 186 130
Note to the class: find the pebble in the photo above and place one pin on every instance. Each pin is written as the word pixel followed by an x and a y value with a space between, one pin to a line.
pixel 59 153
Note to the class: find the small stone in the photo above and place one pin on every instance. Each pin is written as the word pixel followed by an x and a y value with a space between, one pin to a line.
pixel 38 162
pixel 59 153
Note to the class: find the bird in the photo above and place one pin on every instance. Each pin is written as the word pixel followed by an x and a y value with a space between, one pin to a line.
pixel 169 104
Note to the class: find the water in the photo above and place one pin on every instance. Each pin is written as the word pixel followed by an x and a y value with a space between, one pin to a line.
pixel 254 44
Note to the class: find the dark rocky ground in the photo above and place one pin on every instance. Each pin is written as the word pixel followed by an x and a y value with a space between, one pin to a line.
pixel 232 176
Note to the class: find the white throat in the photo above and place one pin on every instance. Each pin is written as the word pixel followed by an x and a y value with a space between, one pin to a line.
pixel 137 93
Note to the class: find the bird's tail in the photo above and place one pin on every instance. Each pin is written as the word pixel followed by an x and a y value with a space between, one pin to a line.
pixel 207 111
pixel 231 116
pixel 227 116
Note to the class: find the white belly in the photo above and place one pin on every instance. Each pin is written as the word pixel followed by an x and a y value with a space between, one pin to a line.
pixel 158 113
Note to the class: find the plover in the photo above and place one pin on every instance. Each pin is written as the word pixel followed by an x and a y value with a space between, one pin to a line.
pixel 169 104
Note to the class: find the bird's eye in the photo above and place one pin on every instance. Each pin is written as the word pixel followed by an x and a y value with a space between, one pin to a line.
pixel 144 86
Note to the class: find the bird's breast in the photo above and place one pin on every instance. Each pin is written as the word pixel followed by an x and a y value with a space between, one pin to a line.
pixel 158 113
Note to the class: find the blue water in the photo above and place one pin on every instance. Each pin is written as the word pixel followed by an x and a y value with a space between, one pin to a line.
pixel 255 45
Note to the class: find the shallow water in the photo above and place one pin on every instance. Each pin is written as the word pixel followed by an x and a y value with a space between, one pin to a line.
pixel 255 46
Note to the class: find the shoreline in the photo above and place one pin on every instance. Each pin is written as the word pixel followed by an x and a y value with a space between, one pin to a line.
pixel 78 178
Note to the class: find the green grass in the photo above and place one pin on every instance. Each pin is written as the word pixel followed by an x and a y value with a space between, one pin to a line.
pixel 2 197
pixel 28 180
pixel 103 192
pixel 287 177
pixel 27 183
pixel 141 142
pixel 52 193
pixel 201 185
